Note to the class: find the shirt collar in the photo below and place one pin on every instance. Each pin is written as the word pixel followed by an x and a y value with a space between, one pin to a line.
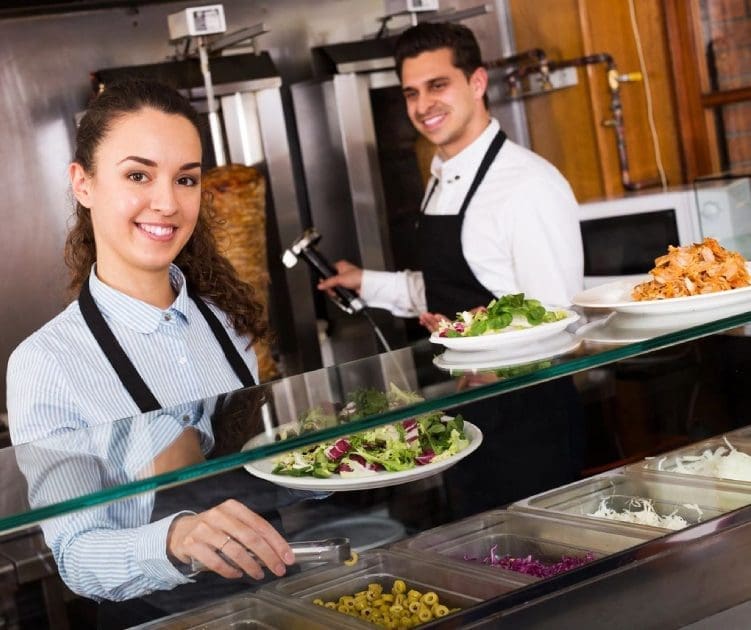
pixel 134 313
pixel 465 163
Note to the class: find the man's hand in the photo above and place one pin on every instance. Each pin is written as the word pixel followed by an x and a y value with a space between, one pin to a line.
pixel 348 276
pixel 431 320
pixel 234 530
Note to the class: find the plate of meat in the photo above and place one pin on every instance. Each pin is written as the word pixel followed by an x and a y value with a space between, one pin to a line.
pixel 687 279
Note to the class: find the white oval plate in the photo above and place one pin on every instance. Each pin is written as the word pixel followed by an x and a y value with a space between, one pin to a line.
pixel 606 332
pixel 617 297
pixel 623 328
pixel 537 351
pixel 507 337
pixel 336 483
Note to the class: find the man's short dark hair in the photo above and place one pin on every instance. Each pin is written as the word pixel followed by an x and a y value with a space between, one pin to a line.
pixel 430 36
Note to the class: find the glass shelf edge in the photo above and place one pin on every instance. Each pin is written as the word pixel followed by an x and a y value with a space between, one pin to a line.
pixel 228 462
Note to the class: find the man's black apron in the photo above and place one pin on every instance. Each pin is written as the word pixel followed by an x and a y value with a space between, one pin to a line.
pixel 202 494
pixel 532 437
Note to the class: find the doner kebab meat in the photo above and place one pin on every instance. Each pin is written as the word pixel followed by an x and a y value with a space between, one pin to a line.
pixel 239 200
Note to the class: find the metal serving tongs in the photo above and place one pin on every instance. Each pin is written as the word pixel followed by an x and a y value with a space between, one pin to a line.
pixel 329 550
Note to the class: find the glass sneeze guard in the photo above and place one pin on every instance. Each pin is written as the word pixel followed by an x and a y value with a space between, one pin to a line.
pixel 123 453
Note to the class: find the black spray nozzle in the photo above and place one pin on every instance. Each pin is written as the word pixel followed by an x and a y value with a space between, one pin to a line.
pixel 304 247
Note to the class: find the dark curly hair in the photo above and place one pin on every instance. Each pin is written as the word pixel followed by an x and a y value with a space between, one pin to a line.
pixel 430 36
pixel 206 270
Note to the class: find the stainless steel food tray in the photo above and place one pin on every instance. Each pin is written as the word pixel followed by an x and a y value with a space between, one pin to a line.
pixel 245 612
pixel 668 496
pixel 456 587
pixel 520 534
pixel 667 463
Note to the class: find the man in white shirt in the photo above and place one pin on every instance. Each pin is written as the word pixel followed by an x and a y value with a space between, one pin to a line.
pixel 496 219
pixel 507 226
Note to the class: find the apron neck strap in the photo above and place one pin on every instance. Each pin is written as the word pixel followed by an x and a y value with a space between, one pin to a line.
pixel 129 377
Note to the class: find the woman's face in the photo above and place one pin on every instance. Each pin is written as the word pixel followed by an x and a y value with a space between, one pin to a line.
pixel 144 194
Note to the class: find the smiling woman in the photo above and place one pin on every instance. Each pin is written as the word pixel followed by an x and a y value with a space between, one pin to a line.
pixel 161 319
pixel 144 205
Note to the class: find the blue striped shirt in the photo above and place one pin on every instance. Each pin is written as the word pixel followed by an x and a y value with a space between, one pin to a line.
pixel 59 380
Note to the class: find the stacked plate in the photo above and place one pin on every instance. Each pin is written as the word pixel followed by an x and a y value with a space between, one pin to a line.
pixel 633 321
pixel 508 347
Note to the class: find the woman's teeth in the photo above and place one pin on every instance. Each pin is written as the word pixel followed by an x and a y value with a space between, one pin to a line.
pixel 157 230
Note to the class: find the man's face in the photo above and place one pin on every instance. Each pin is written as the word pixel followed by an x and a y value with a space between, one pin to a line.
pixel 443 104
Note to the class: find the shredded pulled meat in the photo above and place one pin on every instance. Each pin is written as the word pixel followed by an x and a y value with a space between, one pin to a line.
pixel 704 267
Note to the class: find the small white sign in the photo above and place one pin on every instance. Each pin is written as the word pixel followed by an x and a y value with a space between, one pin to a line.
pixel 196 21
pixel 412 6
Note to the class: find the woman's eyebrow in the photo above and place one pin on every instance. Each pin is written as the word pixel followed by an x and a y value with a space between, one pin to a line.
pixel 140 160
pixel 147 162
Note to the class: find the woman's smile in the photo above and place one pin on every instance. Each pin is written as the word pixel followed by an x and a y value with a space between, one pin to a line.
pixel 157 231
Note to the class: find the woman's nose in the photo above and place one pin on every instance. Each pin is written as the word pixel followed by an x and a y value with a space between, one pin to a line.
pixel 164 199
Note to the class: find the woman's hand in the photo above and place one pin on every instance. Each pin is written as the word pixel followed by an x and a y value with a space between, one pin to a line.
pixel 233 529
pixel 431 320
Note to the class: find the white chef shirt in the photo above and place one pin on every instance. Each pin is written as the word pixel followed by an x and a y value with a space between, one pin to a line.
pixel 520 234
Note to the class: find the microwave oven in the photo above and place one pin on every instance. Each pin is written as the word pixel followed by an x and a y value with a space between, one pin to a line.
pixel 623 236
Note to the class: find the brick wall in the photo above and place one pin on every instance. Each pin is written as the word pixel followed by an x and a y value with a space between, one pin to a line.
pixel 727 35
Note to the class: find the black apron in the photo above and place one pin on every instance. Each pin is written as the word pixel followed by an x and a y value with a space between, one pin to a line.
pixel 533 438
pixel 260 496
pixel 450 285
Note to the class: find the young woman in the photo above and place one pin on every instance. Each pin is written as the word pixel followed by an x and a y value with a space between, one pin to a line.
pixel 161 319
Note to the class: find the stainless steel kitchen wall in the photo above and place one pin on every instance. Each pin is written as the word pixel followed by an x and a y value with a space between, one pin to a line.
pixel 44 66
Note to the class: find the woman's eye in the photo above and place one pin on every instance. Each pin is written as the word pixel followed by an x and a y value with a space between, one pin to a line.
pixel 137 177
pixel 188 180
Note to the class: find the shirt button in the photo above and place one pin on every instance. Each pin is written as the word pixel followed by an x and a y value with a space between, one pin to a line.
pixel 182 360
pixel 167 317
pixel 186 418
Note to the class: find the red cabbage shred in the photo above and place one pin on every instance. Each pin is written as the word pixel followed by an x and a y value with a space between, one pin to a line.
pixel 533 566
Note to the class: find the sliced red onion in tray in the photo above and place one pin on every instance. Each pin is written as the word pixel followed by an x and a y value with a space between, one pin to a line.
pixel 530 565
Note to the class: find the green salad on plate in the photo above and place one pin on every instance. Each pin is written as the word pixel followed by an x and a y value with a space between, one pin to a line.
pixel 508 312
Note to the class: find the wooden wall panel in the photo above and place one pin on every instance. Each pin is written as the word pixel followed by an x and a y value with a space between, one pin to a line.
pixel 566 125
pixel 610 30
pixel 561 122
